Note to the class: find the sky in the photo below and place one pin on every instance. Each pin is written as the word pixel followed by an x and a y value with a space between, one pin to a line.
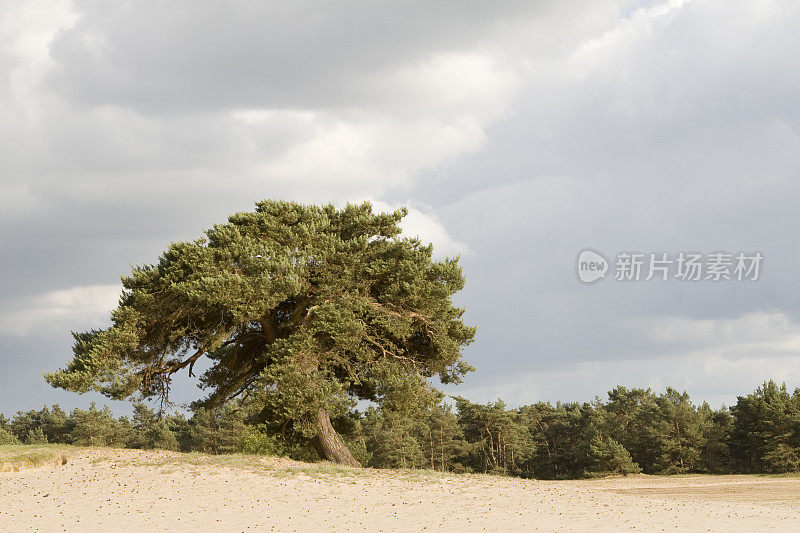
pixel 518 133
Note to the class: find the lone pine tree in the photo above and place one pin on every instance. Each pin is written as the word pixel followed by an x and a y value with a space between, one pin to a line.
pixel 300 309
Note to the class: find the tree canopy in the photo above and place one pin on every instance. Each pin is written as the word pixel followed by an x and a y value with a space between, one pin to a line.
pixel 301 309
pixel 634 430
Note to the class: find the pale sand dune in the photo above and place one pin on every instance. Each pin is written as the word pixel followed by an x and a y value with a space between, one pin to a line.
pixel 125 490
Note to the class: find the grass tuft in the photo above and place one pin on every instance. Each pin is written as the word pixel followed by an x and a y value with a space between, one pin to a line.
pixel 14 457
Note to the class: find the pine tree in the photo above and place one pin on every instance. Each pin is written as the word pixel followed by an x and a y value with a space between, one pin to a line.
pixel 766 433
pixel 628 417
pixel 500 441
pixel 443 439
pixel 94 427
pixel 6 437
pixel 677 431
pixel 608 456
pixel 54 424
pixel 715 456
pixel 301 309
pixel 36 436
pixel 149 431
pixel 392 439
pixel 23 423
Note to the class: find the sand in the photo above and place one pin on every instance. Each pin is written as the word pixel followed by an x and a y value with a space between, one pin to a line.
pixel 128 490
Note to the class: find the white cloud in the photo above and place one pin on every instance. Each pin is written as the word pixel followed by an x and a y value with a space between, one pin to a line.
pixel 60 310
pixel 751 334
pixel 448 85
pixel 429 113
pixel 422 222
pixel 714 359
pixel 26 30
pixel 333 136
pixel 346 157
pixel 716 379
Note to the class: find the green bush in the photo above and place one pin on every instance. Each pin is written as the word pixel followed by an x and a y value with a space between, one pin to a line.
pixel 610 457
pixel 36 436
pixel 255 441
pixel 6 437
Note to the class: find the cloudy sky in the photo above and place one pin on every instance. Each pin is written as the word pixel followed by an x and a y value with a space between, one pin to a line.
pixel 519 133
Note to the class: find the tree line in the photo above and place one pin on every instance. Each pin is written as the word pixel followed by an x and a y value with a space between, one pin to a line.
pixel 633 430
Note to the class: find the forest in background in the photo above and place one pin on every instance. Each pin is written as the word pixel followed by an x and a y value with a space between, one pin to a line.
pixel 633 430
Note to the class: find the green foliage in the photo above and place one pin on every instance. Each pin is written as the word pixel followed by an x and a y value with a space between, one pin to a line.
pixel 560 435
pixel 499 440
pixel 443 439
pixel 54 424
pixel 634 430
pixel 411 429
pixel 23 423
pixel 255 440
pixel 715 454
pixel 35 436
pixel 39 427
pixel 607 456
pixel 6 437
pixel 301 309
pixel 159 436
pixel 766 430
pixel 627 418
pixel 357 445
pixel 15 456
pixel 393 439
pixel 677 433
pixel 95 427
pixel 216 430
pixel 149 431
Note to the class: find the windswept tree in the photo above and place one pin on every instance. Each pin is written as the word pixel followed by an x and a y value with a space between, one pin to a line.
pixel 301 310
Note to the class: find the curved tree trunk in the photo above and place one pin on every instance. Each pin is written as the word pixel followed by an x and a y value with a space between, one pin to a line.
pixel 329 444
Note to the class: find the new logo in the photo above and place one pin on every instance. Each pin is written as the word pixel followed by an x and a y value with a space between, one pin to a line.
pixel 591 266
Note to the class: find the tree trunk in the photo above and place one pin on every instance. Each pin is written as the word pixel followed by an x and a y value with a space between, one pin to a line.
pixel 329 444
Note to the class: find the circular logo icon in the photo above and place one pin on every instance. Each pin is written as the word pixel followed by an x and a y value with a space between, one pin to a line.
pixel 591 266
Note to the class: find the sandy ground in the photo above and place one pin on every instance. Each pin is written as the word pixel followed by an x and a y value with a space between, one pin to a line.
pixel 127 490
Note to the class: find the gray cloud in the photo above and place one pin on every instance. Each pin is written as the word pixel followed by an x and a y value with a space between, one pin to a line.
pixel 522 132
pixel 660 136
pixel 191 55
